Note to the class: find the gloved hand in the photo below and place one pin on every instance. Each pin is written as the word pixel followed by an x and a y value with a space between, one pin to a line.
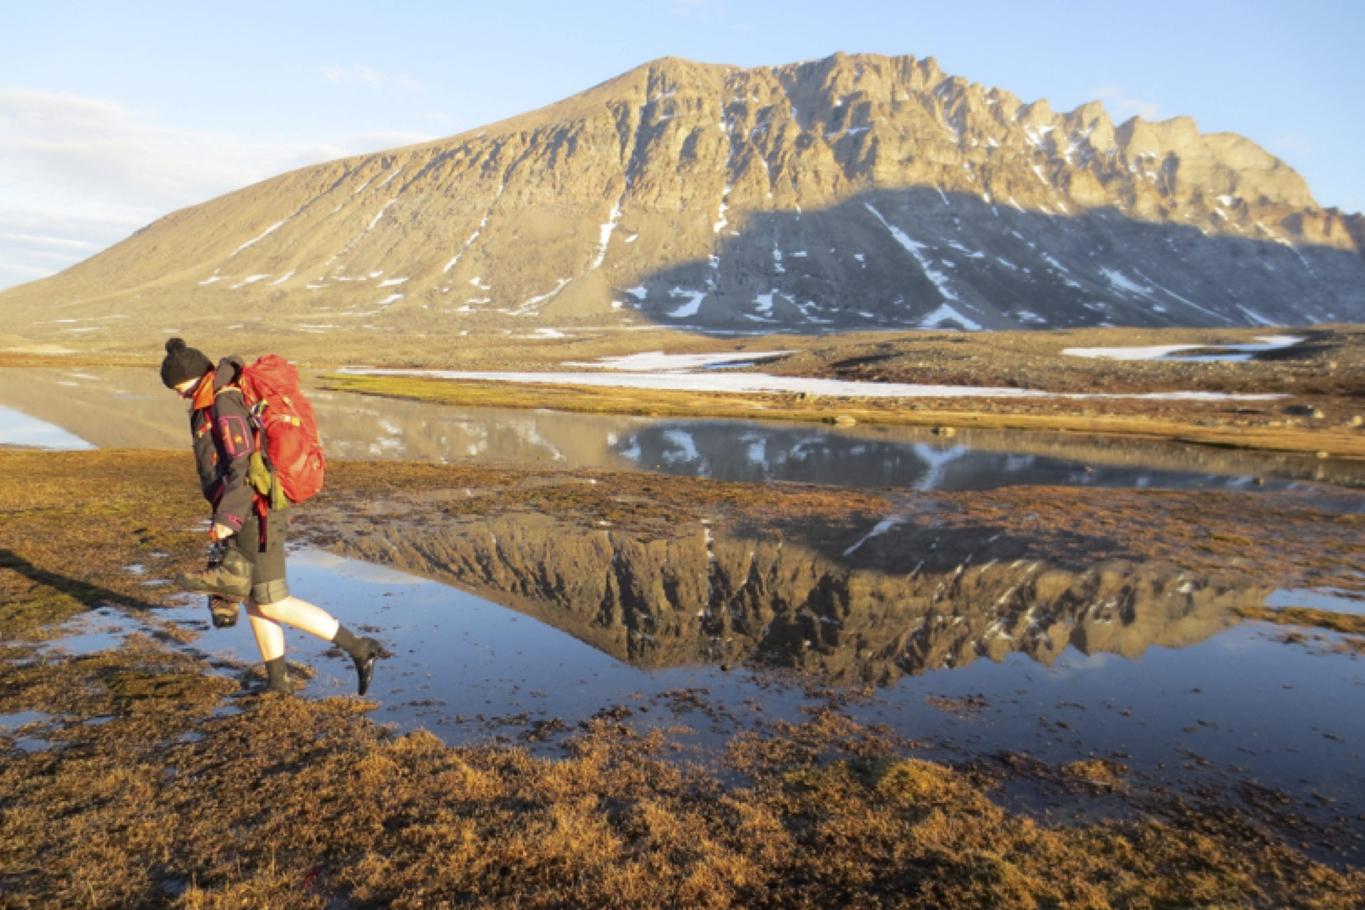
pixel 220 532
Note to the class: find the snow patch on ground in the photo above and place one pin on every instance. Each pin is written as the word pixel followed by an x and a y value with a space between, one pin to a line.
pixel 604 235
pixel 392 282
pixel 946 313
pixel 1161 351
pixel 1122 282
pixel 533 304
pixel 731 382
pixel 380 214
pixel 917 250
pixel 659 362
pixel 722 219
pixel 1256 317
pixel 1061 270
pixel 689 308
pixel 264 234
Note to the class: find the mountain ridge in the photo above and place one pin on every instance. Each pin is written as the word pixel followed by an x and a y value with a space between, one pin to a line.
pixel 684 194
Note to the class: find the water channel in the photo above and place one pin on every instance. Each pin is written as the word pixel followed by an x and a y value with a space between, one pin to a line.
pixel 128 408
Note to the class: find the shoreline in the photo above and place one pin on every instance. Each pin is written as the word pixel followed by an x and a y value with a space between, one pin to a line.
pixel 1007 414
pixel 1322 379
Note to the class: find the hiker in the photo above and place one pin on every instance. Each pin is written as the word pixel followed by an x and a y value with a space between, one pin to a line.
pixel 249 532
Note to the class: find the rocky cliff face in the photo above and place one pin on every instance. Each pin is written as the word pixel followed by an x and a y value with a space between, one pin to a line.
pixel 850 192
pixel 899 601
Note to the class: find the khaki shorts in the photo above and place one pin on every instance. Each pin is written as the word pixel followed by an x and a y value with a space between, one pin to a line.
pixel 268 583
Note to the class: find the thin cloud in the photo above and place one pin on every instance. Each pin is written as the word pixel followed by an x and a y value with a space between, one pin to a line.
pixel 369 76
pixel 1124 105
pixel 79 173
pixel 1293 144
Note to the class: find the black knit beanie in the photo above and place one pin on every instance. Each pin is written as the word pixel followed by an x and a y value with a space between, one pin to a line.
pixel 182 362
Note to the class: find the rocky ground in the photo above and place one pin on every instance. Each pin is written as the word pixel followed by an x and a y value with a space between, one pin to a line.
pixel 166 782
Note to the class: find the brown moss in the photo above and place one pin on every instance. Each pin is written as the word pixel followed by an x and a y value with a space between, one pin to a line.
pixel 1107 775
pixel 155 795
pixel 322 806
pixel 1349 623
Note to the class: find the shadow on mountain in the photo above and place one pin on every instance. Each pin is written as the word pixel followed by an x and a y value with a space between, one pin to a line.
pixel 918 257
pixel 860 602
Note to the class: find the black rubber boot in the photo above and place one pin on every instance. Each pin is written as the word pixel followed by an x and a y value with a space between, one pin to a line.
pixel 364 652
pixel 277 677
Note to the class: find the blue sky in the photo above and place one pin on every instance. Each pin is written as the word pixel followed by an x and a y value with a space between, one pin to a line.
pixel 112 114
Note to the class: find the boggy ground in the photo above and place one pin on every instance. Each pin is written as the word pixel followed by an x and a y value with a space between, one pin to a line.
pixel 167 784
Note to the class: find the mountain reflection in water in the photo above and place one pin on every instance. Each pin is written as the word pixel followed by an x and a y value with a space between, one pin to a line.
pixel 128 408
pixel 899 600
pixel 748 452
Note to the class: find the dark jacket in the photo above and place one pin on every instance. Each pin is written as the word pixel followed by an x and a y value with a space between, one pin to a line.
pixel 220 425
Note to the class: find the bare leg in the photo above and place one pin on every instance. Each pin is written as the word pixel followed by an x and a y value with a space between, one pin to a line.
pixel 266 620
pixel 269 634
pixel 297 613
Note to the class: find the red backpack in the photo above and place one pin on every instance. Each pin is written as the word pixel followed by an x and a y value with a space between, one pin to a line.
pixel 271 389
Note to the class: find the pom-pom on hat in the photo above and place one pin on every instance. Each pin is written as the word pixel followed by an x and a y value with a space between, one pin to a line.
pixel 182 362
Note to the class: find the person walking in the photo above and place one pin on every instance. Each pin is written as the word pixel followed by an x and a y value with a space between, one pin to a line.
pixel 250 534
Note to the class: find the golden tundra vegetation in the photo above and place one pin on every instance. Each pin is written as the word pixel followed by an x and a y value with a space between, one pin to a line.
pixel 167 784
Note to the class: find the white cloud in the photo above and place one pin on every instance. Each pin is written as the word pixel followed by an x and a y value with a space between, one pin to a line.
pixel 1124 105
pixel 79 173
pixel 1292 145
pixel 369 76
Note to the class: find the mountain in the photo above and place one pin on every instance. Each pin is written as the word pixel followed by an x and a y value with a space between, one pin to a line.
pixel 851 192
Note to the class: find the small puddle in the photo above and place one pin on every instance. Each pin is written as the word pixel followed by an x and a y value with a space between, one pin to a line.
pixel 467 667
pixel 13 725
pixel 19 429
pixel 1329 600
